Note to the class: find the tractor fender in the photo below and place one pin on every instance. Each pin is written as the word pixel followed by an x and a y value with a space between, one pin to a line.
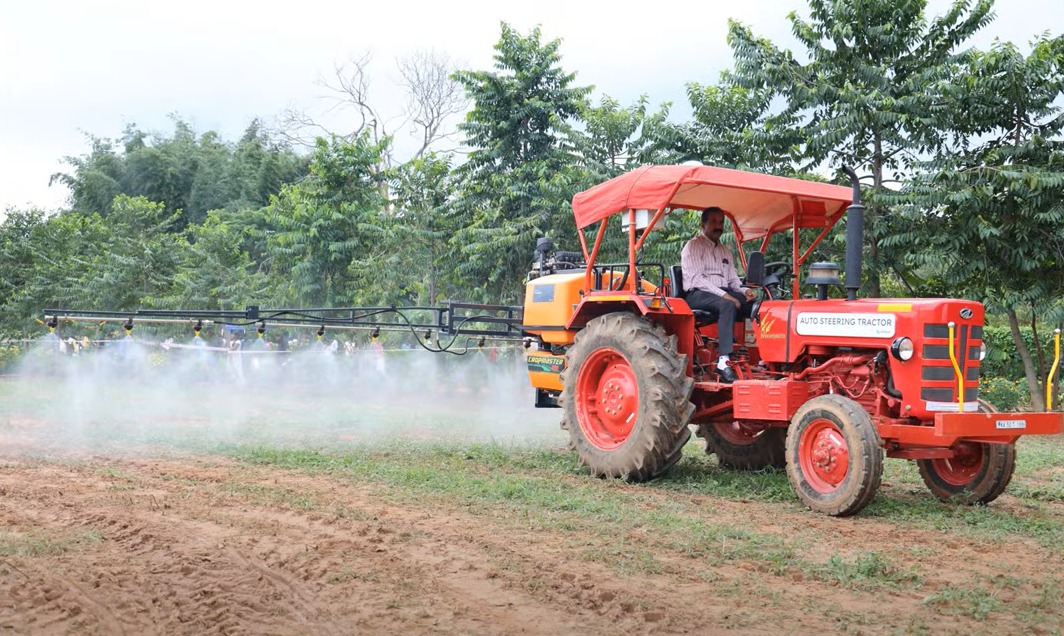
pixel 674 315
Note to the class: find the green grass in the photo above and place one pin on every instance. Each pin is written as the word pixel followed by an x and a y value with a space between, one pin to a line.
pixel 865 571
pixel 39 544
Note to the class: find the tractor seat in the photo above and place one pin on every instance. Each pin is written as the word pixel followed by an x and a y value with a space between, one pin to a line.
pixel 702 317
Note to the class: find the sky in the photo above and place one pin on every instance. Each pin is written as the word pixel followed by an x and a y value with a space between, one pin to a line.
pixel 72 69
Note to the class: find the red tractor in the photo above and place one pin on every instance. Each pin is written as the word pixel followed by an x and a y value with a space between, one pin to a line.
pixel 826 386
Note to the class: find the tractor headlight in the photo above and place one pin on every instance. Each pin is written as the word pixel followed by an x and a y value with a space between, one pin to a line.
pixel 902 348
pixel 982 351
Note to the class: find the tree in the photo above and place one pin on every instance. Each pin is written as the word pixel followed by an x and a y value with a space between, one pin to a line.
pixel 994 226
pixel 862 97
pixel 614 139
pixel 324 224
pixel 212 271
pixel 519 177
pixel 187 172
pixel 418 262
pixel 733 126
pixel 138 260
pixel 55 259
pixel 432 98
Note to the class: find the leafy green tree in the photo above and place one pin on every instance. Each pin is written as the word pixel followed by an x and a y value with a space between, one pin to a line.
pixel 187 172
pixel 994 222
pixel 17 260
pixel 49 262
pixel 259 168
pixel 138 261
pixel 417 262
pixel 614 139
pixel 862 98
pixel 518 179
pixel 212 270
pixel 733 126
pixel 326 224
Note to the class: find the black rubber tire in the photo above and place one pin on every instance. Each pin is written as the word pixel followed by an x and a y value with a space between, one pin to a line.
pixel 864 470
pixel 659 432
pixel 997 464
pixel 767 450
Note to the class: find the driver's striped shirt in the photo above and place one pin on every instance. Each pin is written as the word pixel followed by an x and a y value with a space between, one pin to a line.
pixel 708 266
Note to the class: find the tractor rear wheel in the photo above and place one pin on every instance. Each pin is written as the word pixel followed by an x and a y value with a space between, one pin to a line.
pixel 626 397
pixel 834 456
pixel 977 473
pixel 741 447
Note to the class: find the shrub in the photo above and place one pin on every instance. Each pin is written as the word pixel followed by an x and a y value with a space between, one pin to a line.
pixel 1005 394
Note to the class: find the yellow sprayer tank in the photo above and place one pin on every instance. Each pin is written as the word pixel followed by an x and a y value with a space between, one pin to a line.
pixel 549 304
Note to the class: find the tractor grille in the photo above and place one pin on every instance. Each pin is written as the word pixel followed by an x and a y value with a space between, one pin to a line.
pixel 937 367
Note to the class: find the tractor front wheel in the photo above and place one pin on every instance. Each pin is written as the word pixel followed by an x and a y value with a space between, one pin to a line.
pixel 626 397
pixel 834 456
pixel 740 446
pixel 976 474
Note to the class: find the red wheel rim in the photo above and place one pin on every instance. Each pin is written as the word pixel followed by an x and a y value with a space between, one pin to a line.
pixel 962 468
pixel 737 433
pixel 607 399
pixel 823 456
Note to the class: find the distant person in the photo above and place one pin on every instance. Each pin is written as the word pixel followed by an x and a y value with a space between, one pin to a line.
pixel 712 284
pixel 377 350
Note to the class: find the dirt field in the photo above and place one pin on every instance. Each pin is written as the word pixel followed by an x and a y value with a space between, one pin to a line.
pixel 149 534
pixel 185 546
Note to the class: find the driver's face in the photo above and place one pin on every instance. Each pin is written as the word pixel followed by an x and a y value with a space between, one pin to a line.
pixel 714 225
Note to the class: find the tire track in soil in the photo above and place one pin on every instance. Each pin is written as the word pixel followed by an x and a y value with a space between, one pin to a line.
pixel 201 548
pixel 215 546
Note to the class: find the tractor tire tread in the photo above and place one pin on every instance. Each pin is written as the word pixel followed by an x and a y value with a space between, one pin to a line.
pixel 661 431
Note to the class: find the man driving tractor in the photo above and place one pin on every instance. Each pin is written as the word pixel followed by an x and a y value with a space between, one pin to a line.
pixel 713 284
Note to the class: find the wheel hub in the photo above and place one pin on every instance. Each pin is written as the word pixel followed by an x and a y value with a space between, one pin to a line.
pixel 825 457
pixel 963 467
pixel 608 394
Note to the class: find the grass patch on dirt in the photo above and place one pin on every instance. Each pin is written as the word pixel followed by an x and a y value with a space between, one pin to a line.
pixel 38 544
pixel 865 571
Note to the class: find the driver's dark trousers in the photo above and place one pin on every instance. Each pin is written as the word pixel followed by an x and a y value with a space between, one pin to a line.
pixel 726 310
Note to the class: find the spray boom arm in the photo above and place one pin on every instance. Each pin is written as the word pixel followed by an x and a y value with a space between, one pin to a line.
pixel 453 319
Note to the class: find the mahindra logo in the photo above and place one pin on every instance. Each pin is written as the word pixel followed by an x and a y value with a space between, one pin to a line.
pixel 966 313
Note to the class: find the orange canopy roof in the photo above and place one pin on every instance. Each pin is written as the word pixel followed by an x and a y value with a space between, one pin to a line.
pixel 757 202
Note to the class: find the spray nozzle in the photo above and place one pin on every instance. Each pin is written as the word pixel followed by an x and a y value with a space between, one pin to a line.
pixel 52 322
pixel 376 333
pixel 198 327
pixel 128 325
pixel 480 343
pixel 321 331
pixel 428 335
pixel 261 329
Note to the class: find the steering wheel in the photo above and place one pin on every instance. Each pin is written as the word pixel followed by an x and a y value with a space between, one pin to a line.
pixel 779 269
pixel 775 273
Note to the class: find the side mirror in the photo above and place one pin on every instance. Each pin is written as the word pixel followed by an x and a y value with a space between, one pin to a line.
pixel 755 269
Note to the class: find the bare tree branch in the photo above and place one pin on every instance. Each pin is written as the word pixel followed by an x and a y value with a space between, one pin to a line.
pixel 432 95
pixel 433 98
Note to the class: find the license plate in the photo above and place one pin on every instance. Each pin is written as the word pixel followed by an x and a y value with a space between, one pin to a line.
pixel 1008 424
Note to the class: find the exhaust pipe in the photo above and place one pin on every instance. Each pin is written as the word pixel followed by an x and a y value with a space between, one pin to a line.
pixel 854 236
